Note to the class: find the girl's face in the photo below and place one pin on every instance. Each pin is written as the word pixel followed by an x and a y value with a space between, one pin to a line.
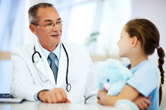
pixel 124 43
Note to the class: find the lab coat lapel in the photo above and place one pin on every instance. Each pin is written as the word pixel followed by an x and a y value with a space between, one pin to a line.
pixel 63 66
pixel 44 68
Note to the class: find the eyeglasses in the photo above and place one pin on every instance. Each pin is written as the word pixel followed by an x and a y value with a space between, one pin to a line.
pixel 51 25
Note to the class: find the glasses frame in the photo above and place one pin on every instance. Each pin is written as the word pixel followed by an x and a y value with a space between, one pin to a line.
pixel 50 25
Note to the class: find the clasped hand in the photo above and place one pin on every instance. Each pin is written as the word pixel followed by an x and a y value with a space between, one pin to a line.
pixel 142 102
pixel 56 95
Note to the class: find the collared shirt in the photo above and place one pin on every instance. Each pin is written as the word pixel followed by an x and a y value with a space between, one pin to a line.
pixel 46 53
pixel 145 81
pixel 56 52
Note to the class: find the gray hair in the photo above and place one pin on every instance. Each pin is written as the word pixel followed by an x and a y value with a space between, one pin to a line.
pixel 33 17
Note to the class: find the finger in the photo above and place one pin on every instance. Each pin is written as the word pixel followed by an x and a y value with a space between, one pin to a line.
pixel 68 101
pixel 145 106
pixel 41 95
pixel 55 94
pixel 98 94
pixel 64 96
pixel 148 97
pixel 100 102
pixel 48 99
pixel 140 107
pixel 54 98
pixel 98 97
pixel 147 101
pixel 60 97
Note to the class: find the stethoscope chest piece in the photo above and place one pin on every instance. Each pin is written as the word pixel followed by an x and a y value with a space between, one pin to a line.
pixel 68 87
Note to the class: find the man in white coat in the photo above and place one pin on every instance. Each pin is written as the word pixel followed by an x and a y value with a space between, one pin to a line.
pixel 70 77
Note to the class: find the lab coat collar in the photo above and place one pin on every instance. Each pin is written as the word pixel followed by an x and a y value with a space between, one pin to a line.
pixel 46 52
pixel 44 68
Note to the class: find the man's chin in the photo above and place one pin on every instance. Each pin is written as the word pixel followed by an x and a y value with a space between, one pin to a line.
pixel 56 42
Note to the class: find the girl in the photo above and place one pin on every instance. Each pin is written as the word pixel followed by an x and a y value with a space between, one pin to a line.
pixel 139 39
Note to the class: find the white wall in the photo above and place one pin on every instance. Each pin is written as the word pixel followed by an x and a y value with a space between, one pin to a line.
pixel 155 11
pixel 29 37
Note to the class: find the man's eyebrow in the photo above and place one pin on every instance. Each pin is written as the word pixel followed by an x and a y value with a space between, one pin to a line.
pixel 59 19
pixel 48 20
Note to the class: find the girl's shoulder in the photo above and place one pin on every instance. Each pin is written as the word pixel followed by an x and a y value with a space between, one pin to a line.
pixel 144 66
pixel 147 66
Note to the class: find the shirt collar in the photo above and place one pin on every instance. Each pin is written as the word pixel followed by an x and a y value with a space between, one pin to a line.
pixel 138 66
pixel 46 52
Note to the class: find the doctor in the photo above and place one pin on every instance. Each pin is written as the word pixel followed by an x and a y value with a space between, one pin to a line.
pixel 50 70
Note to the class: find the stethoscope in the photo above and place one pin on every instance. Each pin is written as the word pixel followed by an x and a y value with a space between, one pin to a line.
pixel 68 85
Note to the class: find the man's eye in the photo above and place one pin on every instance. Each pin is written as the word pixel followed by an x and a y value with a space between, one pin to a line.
pixel 58 22
pixel 49 24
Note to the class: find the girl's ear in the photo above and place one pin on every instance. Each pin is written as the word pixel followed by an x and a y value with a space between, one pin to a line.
pixel 134 41
pixel 32 28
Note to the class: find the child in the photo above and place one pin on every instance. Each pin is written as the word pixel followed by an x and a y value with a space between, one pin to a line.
pixel 139 39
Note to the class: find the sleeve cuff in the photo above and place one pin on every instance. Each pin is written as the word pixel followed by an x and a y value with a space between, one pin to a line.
pixel 35 96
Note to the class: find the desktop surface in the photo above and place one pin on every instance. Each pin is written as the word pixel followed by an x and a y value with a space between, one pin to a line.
pixel 27 105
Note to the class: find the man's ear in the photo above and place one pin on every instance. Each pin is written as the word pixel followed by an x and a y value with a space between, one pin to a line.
pixel 134 41
pixel 32 28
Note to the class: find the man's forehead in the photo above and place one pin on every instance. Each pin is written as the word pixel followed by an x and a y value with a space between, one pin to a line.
pixel 48 14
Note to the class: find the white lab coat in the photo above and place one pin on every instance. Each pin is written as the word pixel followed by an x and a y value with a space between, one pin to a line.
pixel 30 78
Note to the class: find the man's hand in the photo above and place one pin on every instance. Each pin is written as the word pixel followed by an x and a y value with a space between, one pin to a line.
pixel 142 102
pixel 56 95
pixel 67 101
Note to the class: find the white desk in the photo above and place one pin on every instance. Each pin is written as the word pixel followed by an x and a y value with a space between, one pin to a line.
pixel 26 105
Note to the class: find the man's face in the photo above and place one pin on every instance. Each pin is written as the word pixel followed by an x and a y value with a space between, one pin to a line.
pixel 48 37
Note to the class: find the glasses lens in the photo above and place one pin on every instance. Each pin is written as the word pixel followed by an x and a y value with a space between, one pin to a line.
pixel 59 24
pixel 49 26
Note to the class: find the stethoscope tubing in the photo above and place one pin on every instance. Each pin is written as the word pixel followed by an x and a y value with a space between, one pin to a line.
pixel 68 85
pixel 34 54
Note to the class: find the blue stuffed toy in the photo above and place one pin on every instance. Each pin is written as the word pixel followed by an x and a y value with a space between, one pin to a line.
pixel 112 77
